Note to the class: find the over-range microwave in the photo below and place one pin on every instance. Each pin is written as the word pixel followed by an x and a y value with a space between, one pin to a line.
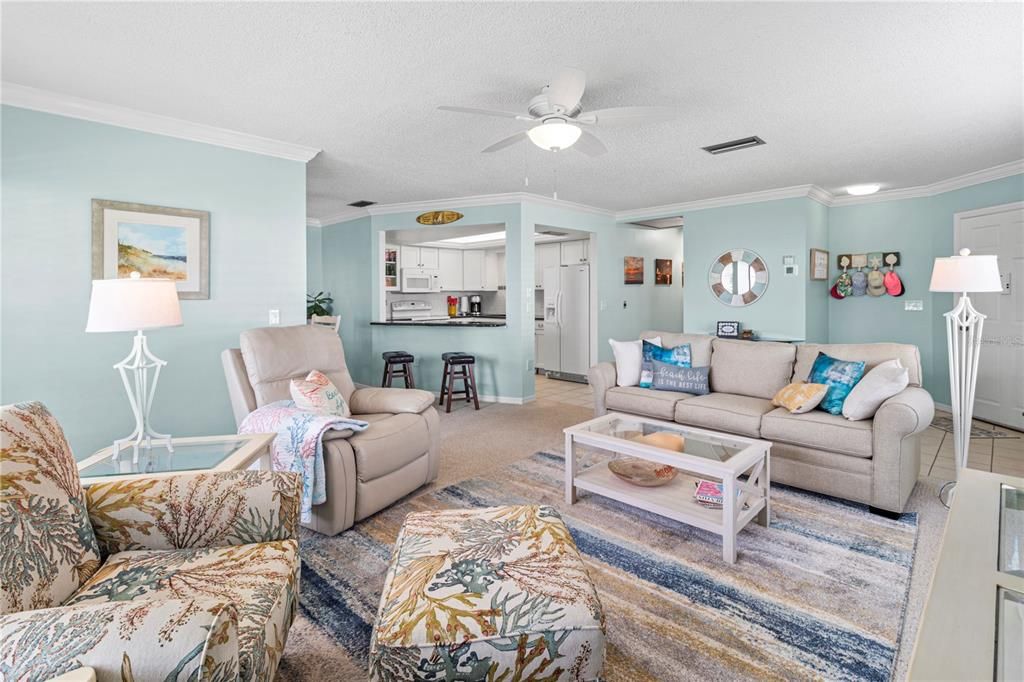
pixel 420 280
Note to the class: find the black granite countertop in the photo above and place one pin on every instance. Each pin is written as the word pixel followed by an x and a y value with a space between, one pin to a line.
pixel 457 322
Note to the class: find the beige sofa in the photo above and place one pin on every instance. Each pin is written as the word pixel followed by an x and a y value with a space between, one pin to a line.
pixel 365 471
pixel 874 461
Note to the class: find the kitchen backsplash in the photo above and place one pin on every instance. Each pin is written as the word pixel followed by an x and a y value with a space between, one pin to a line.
pixel 491 302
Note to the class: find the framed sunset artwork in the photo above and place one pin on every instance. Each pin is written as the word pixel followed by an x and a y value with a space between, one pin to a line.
pixel 632 270
pixel 155 241
pixel 662 271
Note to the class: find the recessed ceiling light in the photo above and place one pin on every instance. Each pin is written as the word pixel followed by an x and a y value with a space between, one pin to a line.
pixel 862 190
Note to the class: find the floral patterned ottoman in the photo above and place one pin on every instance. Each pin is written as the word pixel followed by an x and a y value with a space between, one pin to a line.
pixel 487 594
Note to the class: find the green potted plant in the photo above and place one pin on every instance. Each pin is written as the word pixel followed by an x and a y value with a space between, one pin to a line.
pixel 318 305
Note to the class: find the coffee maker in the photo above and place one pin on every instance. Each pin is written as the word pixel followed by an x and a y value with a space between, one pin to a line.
pixel 474 306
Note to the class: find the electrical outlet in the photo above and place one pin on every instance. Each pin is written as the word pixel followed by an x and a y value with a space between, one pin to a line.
pixel 913 305
pixel 275 317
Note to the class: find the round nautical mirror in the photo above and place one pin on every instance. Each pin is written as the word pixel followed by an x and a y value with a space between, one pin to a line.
pixel 738 278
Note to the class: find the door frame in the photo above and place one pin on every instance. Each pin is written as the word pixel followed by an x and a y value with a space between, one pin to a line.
pixel 958 218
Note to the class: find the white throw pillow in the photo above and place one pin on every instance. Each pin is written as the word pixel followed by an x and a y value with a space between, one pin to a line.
pixel 318 394
pixel 629 355
pixel 877 386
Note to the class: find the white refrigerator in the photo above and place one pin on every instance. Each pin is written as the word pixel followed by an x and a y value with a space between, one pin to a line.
pixel 565 344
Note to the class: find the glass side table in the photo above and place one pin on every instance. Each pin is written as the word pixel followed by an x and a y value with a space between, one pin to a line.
pixel 194 454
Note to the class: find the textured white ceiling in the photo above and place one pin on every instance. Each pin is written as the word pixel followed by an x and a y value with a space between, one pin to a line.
pixel 902 94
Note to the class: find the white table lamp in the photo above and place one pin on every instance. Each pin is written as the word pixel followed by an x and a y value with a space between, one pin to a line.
pixel 962 274
pixel 135 305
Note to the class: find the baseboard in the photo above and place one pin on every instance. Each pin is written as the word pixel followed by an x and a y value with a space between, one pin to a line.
pixel 943 406
pixel 503 399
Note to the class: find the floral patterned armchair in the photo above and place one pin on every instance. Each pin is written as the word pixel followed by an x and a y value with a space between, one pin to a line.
pixel 191 577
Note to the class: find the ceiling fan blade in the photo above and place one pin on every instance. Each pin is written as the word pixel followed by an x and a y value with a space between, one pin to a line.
pixel 566 88
pixel 628 115
pixel 589 145
pixel 488 112
pixel 507 142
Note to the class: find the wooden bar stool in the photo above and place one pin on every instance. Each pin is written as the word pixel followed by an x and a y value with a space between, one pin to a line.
pixel 398 364
pixel 458 366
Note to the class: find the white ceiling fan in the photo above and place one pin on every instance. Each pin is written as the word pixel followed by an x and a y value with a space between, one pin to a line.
pixel 558 113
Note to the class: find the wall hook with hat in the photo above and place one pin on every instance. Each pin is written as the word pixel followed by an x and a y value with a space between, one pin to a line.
pixel 876 281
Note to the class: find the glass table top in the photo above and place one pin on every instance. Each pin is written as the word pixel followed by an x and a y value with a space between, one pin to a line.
pixel 186 456
pixel 665 437
pixel 1011 530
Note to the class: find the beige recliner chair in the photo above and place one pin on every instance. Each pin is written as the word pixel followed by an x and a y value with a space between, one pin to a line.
pixel 366 471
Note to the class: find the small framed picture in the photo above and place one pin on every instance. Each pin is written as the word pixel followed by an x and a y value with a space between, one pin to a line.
pixel 819 264
pixel 662 271
pixel 632 270
pixel 728 330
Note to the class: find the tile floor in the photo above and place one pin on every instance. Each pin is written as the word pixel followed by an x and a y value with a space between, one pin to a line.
pixel 999 455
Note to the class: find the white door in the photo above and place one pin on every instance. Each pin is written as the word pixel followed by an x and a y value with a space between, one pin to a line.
pixel 546 255
pixel 428 257
pixel 574 316
pixel 999 231
pixel 411 257
pixel 450 265
pixel 490 270
pixel 572 253
pixel 473 270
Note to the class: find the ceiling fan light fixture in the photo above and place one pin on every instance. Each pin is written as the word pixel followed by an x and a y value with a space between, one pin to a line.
pixel 554 135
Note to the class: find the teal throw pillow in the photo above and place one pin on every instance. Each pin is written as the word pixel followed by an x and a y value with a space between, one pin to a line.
pixel 678 356
pixel 693 380
pixel 839 375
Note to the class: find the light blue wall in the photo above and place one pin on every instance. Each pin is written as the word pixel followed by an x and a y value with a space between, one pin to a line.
pixel 817 297
pixel 773 229
pixel 52 167
pixel 921 230
pixel 314 260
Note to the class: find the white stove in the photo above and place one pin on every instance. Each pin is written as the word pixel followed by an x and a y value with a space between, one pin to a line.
pixel 413 311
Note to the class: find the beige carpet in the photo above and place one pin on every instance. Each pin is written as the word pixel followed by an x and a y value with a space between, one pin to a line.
pixel 476 442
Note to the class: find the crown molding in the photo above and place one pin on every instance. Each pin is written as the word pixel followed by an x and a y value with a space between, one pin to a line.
pixel 25 97
pixel 795 192
pixel 999 172
pixel 343 216
pixel 813 192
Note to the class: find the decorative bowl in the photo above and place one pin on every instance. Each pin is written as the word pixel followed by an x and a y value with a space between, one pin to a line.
pixel 641 472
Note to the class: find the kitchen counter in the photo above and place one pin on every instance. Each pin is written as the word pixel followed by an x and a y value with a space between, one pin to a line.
pixel 454 322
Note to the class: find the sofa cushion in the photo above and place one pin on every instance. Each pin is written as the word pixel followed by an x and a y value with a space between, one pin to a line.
pixel 700 345
pixel 260 580
pixel 873 354
pixel 753 368
pixel 389 444
pixel 820 430
pixel 47 543
pixel 645 401
pixel 739 414
pixel 276 355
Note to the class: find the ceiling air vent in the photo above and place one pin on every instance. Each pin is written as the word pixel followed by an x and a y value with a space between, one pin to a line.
pixel 734 145
pixel 362 203
pixel 660 223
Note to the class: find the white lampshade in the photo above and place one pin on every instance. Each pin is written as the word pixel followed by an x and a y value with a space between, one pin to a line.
pixel 128 305
pixel 966 273
pixel 554 135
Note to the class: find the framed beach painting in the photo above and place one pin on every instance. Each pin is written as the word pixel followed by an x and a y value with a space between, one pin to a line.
pixel 632 270
pixel 155 241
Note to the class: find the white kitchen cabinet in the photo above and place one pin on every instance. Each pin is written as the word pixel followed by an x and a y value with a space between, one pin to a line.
pixel 450 266
pixel 575 252
pixel 493 265
pixel 545 255
pixel 473 270
pixel 419 257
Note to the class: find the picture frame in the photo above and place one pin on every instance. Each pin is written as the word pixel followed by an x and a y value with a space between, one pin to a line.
pixel 662 271
pixel 632 270
pixel 819 265
pixel 728 330
pixel 155 241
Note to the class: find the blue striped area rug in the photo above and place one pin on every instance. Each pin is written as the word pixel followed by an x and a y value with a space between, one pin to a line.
pixel 820 594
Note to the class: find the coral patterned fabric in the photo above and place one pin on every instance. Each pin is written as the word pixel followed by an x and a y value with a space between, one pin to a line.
pixel 319 394
pixel 47 547
pixel 499 593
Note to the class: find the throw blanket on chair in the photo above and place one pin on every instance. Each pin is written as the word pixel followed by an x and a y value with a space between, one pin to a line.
pixel 299 444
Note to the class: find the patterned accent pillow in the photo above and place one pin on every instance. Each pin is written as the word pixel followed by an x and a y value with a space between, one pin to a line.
pixel 800 397
pixel 839 375
pixel 319 394
pixel 678 356
pixel 46 540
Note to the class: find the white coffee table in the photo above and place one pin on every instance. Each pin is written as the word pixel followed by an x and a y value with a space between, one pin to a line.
pixel 190 455
pixel 741 464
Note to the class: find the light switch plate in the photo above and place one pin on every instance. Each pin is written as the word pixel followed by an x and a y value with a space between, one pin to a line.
pixel 913 305
pixel 274 317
